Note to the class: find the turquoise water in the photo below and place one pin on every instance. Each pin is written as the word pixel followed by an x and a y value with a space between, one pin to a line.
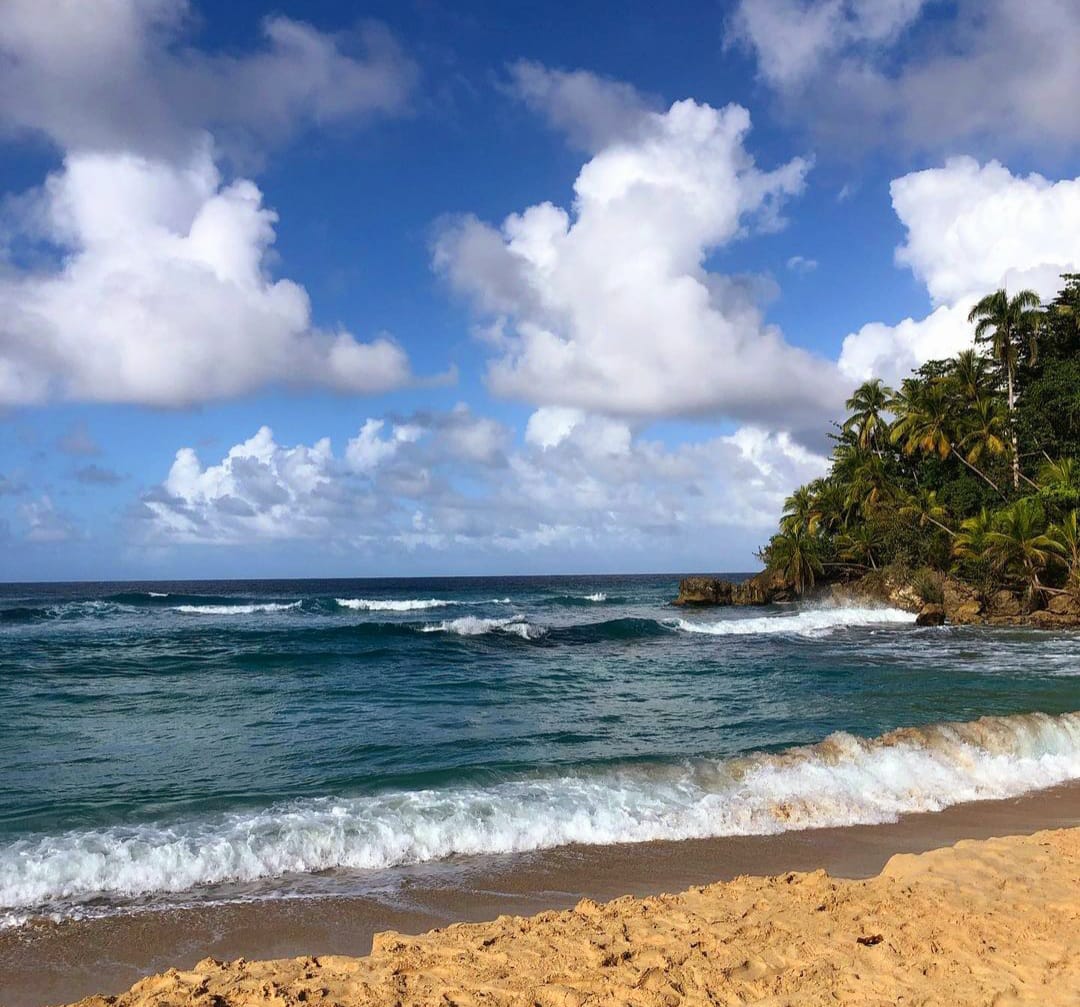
pixel 168 742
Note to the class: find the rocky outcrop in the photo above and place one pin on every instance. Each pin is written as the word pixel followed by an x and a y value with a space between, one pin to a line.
pixel 963 604
pixel 931 615
pixel 1061 612
pixel 762 589
pixel 960 604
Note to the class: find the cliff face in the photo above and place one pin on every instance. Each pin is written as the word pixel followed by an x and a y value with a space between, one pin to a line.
pixel 960 604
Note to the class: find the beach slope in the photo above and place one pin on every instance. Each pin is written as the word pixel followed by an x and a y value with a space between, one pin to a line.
pixel 983 922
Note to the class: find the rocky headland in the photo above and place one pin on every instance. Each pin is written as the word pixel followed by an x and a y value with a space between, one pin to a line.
pixel 942 600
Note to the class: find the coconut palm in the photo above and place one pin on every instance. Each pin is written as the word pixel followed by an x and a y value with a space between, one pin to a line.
pixel 972 540
pixel 1067 535
pixel 795 553
pixel 1062 472
pixel 986 429
pixel 797 509
pixel 926 421
pixel 1019 545
pixel 924 507
pixel 971 375
pixel 1004 323
pixel 867 407
pixel 859 544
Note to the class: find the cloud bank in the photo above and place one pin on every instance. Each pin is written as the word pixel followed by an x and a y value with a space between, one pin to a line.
pixel 609 306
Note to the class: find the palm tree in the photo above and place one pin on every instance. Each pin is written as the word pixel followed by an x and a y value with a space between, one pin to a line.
pixel 797 509
pixel 859 544
pixel 986 424
pixel 970 375
pixel 1019 545
pixel 1003 322
pixel 972 540
pixel 1067 536
pixel 867 406
pixel 923 505
pixel 1064 473
pixel 925 422
pixel 794 552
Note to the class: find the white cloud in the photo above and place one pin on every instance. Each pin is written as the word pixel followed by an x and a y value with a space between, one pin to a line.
pixel 114 75
pixel 791 38
pixel 987 69
pixel 453 481
pixel 593 111
pixel 801 265
pixel 971 229
pixel 608 307
pixel 45 523
pixel 162 295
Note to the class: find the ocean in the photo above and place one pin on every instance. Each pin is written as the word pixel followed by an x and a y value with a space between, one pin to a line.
pixel 174 744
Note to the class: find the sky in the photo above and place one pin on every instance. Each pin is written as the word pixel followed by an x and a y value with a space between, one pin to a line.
pixel 329 289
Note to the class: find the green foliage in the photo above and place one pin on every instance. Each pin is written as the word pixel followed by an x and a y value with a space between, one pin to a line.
pixel 968 467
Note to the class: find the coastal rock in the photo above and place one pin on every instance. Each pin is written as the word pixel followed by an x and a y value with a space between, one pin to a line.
pixel 963 603
pixel 1061 612
pixel 761 589
pixel 1005 605
pixel 931 615
pixel 704 591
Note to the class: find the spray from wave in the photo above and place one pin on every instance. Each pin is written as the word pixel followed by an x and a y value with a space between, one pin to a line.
pixel 843 780
pixel 806 622
pixel 471 625
pixel 236 609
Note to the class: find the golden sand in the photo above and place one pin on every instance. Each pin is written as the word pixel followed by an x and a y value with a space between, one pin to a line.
pixel 994 922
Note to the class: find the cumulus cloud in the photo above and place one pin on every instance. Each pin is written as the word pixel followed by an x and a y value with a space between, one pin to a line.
pixel 438 481
pixel 801 264
pixel 876 72
pixel 608 307
pixel 162 294
pixel 591 110
pixel 971 228
pixel 115 75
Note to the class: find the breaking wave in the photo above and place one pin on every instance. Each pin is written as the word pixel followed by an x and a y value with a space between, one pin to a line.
pixel 391 605
pixel 237 609
pixel 806 622
pixel 471 625
pixel 843 780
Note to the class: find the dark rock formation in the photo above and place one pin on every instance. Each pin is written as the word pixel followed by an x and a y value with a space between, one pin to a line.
pixel 931 615
pixel 763 589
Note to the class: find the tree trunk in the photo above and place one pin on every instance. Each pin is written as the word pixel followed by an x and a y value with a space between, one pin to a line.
pixel 1012 428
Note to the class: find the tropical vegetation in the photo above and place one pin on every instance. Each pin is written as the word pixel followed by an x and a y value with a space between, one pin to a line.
pixel 970 468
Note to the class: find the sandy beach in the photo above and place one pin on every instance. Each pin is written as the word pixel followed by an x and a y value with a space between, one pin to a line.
pixel 983 922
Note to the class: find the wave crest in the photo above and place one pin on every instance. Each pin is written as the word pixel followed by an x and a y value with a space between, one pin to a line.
pixel 471 625
pixel 805 622
pixel 843 780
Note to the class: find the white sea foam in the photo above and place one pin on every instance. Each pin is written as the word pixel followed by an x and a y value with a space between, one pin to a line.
pixel 844 780
pixel 236 609
pixel 391 605
pixel 158 594
pixel 471 625
pixel 806 622
pixel 598 596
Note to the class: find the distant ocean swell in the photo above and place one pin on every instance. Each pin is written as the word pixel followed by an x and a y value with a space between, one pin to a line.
pixel 843 780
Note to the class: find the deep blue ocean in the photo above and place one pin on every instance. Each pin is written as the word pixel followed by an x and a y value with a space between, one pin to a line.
pixel 168 742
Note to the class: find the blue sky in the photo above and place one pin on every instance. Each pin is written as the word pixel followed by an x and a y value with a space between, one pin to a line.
pixel 566 290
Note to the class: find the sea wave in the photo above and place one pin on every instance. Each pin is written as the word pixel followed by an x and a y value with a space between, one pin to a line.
pixel 250 609
pixel 843 780
pixel 805 622
pixel 391 604
pixel 471 625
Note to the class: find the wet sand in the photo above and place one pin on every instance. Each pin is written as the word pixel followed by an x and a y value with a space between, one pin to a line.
pixel 47 963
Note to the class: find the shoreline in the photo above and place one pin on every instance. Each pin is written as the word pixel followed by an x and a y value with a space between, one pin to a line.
pixel 54 963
